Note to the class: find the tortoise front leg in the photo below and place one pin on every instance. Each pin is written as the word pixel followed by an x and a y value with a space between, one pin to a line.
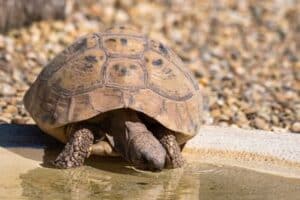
pixel 77 148
pixel 174 158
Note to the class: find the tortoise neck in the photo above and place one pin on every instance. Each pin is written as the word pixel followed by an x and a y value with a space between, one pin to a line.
pixel 114 121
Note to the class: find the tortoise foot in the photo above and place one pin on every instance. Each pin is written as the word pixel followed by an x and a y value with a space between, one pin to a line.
pixel 174 159
pixel 76 150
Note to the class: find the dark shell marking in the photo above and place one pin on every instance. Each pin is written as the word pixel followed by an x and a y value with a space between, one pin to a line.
pixel 157 62
pixel 163 49
pixel 91 59
pixel 123 41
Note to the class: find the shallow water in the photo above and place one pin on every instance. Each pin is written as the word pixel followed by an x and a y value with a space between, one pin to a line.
pixel 113 180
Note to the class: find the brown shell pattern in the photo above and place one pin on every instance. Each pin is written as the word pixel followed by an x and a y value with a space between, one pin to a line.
pixel 119 68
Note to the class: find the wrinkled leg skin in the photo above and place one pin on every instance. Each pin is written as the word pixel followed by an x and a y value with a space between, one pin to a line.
pixel 174 158
pixel 77 148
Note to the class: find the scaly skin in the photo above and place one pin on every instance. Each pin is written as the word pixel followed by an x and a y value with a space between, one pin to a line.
pixel 77 148
pixel 174 158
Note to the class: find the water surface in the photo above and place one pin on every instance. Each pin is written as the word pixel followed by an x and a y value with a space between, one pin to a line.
pixel 113 180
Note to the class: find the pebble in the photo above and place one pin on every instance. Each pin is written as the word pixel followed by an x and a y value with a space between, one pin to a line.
pixel 4 120
pixel 18 121
pixel 121 16
pixel 223 124
pixel 260 123
pixel 296 127
pixel 7 90
pixel 11 109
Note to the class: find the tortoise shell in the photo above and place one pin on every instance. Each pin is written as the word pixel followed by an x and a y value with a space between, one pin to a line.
pixel 119 68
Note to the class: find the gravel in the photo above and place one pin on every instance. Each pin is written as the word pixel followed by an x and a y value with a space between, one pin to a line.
pixel 245 54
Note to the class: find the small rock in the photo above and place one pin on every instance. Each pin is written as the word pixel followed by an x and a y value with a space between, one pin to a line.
pixel 240 119
pixel 3 103
pixel 7 115
pixel 4 120
pixel 216 113
pixel 7 90
pixel 18 121
pixel 29 120
pixel 260 123
pixel 17 75
pixel 11 109
pixel 4 77
pixel 223 124
pixel 234 126
pixel 274 119
pixel 121 16
pixel 295 127
pixel 207 118
pixel 279 129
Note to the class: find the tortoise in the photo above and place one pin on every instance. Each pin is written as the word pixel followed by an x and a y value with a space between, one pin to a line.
pixel 118 92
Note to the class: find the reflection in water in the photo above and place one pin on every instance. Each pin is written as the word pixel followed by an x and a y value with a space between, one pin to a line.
pixel 91 183
pixel 111 180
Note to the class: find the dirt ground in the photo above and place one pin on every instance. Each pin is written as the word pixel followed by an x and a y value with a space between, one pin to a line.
pixel 245 54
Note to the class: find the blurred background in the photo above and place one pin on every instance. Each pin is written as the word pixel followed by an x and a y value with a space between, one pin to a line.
pixel 245 54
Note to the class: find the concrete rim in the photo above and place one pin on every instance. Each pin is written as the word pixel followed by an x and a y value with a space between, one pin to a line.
pixel 268 152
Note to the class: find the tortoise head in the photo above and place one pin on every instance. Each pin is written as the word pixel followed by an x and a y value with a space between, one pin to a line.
pixel 144 150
